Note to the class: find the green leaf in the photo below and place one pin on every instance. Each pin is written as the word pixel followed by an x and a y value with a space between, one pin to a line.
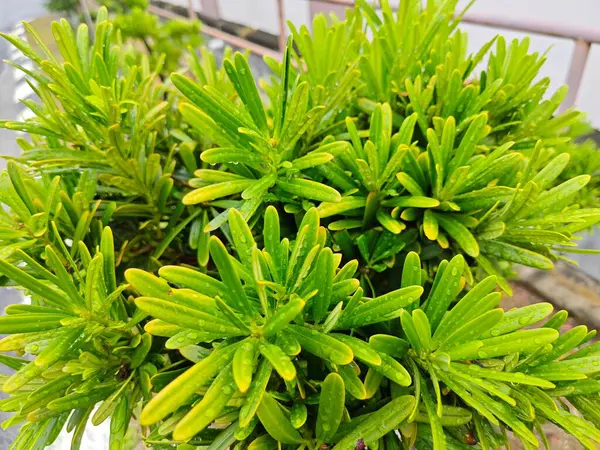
pixel 322 345
pixel 472 330
pixel 570 369
pixel 209 408
pixel 352 383
pixel 444 292
pixel 298 415
pixel 29 323
pixel 477 301
pixel 66 282
pixel 309 189
pixel 279 360
pixel 393 370
pixel 411 270
pixel 328 209
pixel 236 296
pixel 312 160
pixel 551 171
pixel 437 432
pixel 244 361
pixel 178 391
pixel 411 202
pixel 216 191
pixel 331 407
pixel 242 237
pixel 512 253
pixel 410 184
pixel 379 423
pixel 275 422
pixel 563 345
pixel 95 290
pixel 264 442
pixel 141 351
pixel 148 284
pixel 549 198
pixel 519 341
pixel 188 278
pixel 509 377
pixel 520 318
pixel 423 328
pixel 187 317
pixel 59 347
pixel 410 331
pixel 243 82
pixel 256 392
pixel 361 349
pixel 452 416
pixel 379 309
pixel 283 316
pixel 459 233
pixel 80 400
pixel 324 274
pixel 390 345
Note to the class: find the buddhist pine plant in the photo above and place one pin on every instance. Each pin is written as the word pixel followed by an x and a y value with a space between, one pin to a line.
pixel 319 269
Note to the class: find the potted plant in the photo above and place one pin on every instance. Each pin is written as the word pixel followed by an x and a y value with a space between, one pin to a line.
pixel 319 266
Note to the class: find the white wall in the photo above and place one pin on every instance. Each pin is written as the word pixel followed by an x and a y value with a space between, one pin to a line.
pixel 588 99
pixel 262 15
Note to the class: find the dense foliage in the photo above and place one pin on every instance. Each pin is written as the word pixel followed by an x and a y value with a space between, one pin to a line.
pixel 316 265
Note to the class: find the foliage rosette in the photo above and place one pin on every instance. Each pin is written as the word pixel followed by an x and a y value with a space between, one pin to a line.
pixel 275 316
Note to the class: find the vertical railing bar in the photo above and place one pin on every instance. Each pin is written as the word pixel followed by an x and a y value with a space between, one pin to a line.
pixel 86 14
pixel 211 9
pixel 576 71
pixel 281 38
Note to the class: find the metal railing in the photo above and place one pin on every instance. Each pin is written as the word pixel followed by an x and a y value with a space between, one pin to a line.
pixel 583 37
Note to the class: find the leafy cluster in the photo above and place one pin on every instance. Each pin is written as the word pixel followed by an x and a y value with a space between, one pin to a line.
pixel 314 265
pixel 444 161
